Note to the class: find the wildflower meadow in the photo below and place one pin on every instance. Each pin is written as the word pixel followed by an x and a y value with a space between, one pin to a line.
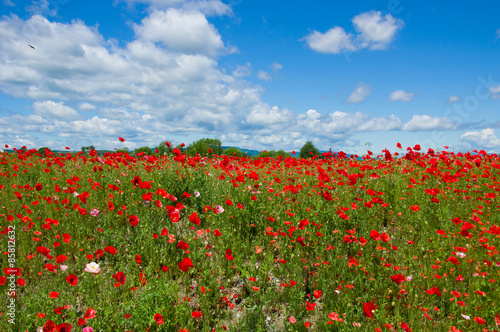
pixel 406 240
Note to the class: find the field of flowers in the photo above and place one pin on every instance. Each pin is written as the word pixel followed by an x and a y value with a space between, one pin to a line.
pixel 402 241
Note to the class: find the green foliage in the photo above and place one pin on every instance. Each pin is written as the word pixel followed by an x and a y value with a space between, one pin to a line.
pixel 124 150
pixel 41 151
pixel 205 147
pixel 308 150
pixel 232 151
pixel 282 153
pixel 273 154
pixel 145 149
pixel 86 149
pixel 163 149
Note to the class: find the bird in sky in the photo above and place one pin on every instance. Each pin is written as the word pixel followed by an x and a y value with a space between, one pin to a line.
pixel 33 47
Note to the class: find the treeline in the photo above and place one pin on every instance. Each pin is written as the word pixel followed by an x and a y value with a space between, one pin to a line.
pixel 205 147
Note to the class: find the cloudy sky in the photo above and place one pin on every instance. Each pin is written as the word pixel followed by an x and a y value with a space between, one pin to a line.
pixel 346 75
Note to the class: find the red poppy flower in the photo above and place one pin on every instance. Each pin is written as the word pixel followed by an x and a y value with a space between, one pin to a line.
pixel 72 279
pixel 194 218
pixel 385 237
pixel 121 139
pixel 434 290
pixel 479 320
pixel 185 264
pixel 133 220
pixel 138 259
pixel 49 326
pixel 196 314
pixel 53 295
pixel 310 306
pixel 217 232
pixel 60 259
pixel 66 237
pixel 90 313
pixel 229 255
pixel 3 280
pixel 110 250
pixel 398 278
pixel 317 294
pixel 158 318
pixel 375 235
pixel 182 245
pixel 120 277
pixel 164 232
pixel 368 309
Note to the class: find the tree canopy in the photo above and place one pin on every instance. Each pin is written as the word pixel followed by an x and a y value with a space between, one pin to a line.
pixel 308 150
pixel 205 147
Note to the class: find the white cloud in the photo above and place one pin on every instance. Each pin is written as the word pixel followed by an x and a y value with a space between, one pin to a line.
pixel 359 94
pixel 268 76
pixel 494 91
pixel 41 7
pixel 400 95
pixel 207 7
pixel 86 107
pixel 262 114
pixel 340 125
pixel 180 31
pixel 8 3
pixel 498 33
pixel 243 70
pixel 333 41
pixel 55 110
pixel 262 75
pixel 452 99
pixel 376 31
pixel 485 138
pixel 426 122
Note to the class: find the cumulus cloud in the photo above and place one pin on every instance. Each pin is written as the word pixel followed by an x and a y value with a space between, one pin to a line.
pixel 426 122
pixel 263 114
pixel 376 31
pixel 359 94
pixel 181 31
pixel 86 107
pixel 207 7
pixel 401 95
pixel 373 31
pixel 55 110
pixel 42 7
pixel 452 99
pixel 485 138
pixel 494 91
pixel 334 41
pixel 262 75
pixel 339 125
pixel 243 70
pixel 268 76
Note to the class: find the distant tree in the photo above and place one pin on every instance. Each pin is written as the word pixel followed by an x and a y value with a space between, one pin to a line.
pixel 124 150
pixel 232 151
pixel 146 149
pixel 282 153
pixel 41 151
pixel 86 149
pixel 308 150
pixel 205 147
pixel 164 149
pixel 266 154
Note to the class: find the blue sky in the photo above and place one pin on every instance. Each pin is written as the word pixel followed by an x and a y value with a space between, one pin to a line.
pixel 254 74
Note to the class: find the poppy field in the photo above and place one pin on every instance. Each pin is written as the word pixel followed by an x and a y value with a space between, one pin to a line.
pixel 406 240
